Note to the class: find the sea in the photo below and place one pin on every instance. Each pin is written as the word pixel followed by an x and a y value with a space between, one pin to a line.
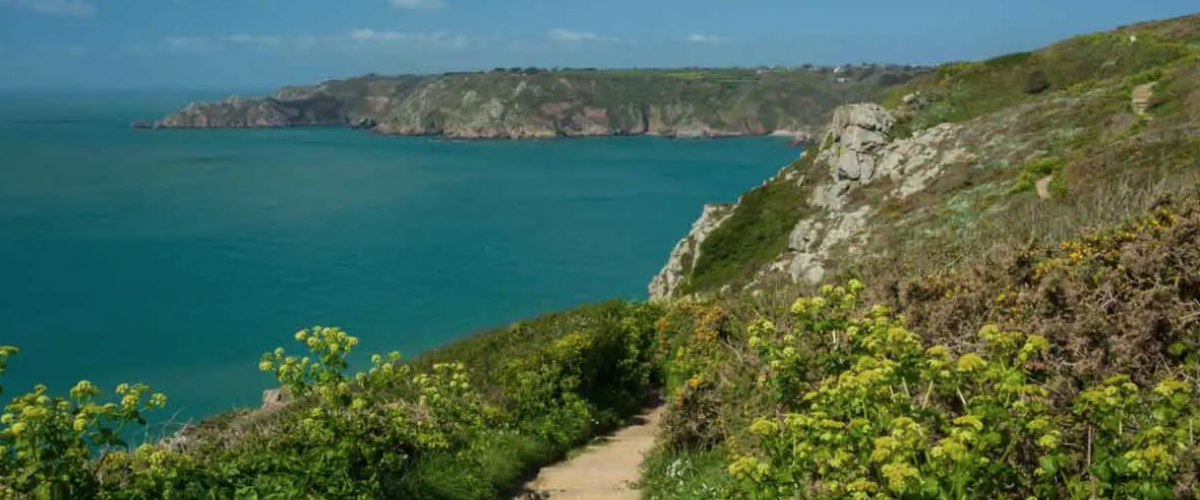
pixel 177 257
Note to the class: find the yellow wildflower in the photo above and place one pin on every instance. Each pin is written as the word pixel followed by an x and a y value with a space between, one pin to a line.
pixel 971 362
pixel 898 475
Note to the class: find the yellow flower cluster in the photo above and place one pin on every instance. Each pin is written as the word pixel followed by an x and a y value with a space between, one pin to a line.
pixel 1105 246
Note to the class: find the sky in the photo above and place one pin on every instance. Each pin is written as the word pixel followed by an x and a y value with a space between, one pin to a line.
pixel 135 44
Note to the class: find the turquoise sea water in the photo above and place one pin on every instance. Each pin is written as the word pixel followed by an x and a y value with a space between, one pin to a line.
pixel 177 257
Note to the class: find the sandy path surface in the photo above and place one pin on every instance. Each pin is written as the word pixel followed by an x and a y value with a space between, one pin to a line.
pixel 1141 97
pixel 606 470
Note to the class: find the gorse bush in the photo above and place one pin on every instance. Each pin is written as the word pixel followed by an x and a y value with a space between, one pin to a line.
pixel 395 430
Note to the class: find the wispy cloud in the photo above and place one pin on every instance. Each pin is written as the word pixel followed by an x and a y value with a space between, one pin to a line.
pixel 187 42
pixel 439 39
pixel 358 39
pixel 71 8
pixel 703 38
pixel 251 39
pixel 565 35
pixel 418 4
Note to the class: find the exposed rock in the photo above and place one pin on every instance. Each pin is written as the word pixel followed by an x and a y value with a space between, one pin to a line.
pixel 276 398
pixel 687 252
pixel 540 105
pixel 799 137
pixel 852 145
pixel 855 151
pixel 858 152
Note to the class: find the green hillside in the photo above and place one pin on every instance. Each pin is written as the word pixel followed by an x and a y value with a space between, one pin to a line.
pixel 987 288
pixel 535 102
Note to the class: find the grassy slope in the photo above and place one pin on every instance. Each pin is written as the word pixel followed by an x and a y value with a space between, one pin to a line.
pixel 979 247
pixel 1120 300
pixel 722 98
pixel 1075 111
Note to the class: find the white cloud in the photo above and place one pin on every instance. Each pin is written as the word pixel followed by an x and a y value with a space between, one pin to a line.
pixel 368 34
pixel 72 8
pixel 702 38
pixel 187 42
pixel 307 41
pixel 564 35
pixel 440 39
pixel 418 4
pixel 251 39
pixel 360 39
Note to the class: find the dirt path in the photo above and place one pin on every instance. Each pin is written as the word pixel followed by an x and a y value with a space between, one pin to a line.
pixel 1043 187
pixel 1141 97
pixel 607 470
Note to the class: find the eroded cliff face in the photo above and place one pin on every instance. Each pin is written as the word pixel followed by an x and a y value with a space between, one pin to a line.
pixel 683 256
pixel 856 151
pixel 566 104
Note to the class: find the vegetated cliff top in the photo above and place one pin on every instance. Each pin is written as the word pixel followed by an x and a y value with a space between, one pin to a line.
pixel 570 102
pixel 1026 146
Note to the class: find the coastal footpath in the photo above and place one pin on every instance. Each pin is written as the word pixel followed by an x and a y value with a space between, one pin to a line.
pixel 985 286
pixel 535 103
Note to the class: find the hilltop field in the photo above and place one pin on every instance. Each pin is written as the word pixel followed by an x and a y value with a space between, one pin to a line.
pixel 984 284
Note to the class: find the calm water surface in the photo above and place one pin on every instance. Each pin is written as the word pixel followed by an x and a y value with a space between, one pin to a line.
pixel 177 257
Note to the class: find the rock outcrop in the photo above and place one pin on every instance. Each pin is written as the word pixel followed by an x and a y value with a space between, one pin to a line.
pixel 696 104
pixel 856 150
pixel 683 257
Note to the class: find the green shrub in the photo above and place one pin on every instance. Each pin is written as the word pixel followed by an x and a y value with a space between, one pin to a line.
pixel 397 430
pixel 885 417
pixel 753 235
pixel 1039 168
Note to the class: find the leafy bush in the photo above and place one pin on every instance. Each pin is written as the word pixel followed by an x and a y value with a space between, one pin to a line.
pixel 47 441
pixel 886 417
pixel 397 430
pixel 754 234
pixel 1038 169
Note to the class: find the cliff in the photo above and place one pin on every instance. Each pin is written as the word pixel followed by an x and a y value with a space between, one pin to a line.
pixel 533 104
pixel 1029 146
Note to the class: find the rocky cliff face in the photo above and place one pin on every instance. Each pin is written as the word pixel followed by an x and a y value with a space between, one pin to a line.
pixel 718 103
pixel 856 151
pixel 683 256
pixel 1025 147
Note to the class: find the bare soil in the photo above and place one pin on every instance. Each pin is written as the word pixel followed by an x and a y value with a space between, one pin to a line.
pixel 606 470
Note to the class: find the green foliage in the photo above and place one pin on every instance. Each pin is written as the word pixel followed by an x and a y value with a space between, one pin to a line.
pixel 966 90
pixel 865 409
pixel 396 430
pixel 684 475
pixel 47 441
pixel 1038 169
pixel 753 235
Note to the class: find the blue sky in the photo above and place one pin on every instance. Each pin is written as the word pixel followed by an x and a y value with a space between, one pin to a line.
pixel 264 43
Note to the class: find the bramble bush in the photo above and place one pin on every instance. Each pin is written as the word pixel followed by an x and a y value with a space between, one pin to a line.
pixel 868 411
